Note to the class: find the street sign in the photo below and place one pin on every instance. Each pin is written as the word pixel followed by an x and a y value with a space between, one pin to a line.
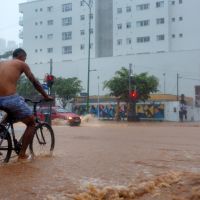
pixel 45 86
pixel 83 94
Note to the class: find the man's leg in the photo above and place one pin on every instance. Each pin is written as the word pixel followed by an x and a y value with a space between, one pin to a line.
pixel 28 135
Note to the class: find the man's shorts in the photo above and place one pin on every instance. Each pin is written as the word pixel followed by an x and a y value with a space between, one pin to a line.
pixel 16 106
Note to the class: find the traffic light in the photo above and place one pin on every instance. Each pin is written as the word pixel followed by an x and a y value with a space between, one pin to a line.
pixel 50 80
pixel 133 95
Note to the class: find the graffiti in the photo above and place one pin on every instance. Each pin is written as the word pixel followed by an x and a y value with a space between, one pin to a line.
pixel 150 111
pixel 104 111
pixel 143 111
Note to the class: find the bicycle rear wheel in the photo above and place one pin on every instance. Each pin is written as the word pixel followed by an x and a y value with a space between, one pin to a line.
pixel 43 141
pixel 5 145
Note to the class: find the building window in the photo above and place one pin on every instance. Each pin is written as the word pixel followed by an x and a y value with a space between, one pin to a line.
pixel 119 10
pixel 142 23
pixel 119 42
pixel 66 7
pixel 173 35
pixel 82 46
pixel 160 37
pixel 67 35
pixel 143 6
pixel 49 50
pixel 159 4
pixel 67 21
pixel 36 23
pixel 41 9
pixel 41 22
pixel 36 10
pixel 41 36
pixel 91 45
pixel 180 1
pixel 160 20
pixel 128 41
pixel 119 26
pixel 173 2
pixel 36 37
pixel 81 3
pixel 180 18
pixel 181 35
pixel 128 25
pixel 91 31
pixel 50 22
pixel 36 50
pixel 82 17
pixel 143 39
pixel 91 16
pixel 50 36
pixel 49 8
pixel 67 50
pixel 82 32
pixel 128 9
pixel 173 19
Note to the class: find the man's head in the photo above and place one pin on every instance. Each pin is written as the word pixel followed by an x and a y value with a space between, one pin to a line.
pixel 19 54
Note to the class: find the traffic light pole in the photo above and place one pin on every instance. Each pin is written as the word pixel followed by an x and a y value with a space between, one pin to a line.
pixel 50 93
pixel 131 115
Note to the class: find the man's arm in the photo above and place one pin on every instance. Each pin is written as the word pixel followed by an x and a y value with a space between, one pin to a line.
pixel 35 82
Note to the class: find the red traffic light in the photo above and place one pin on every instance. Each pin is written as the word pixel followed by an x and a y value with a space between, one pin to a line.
pixel 50 77
pixel 133 95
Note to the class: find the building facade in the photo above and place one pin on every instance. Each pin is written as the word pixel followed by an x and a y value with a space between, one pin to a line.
pixel 160 37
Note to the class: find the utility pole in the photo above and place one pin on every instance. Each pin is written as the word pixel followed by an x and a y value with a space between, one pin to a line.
pixel 89 5
pixel 177 93
pixel 50 92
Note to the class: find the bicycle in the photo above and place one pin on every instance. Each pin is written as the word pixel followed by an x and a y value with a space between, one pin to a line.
pixel 43 137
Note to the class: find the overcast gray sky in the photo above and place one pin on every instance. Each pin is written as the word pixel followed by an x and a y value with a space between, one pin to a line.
pixel 9 23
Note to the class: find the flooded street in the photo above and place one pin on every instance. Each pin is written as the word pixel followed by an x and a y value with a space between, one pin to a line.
pixel 110 154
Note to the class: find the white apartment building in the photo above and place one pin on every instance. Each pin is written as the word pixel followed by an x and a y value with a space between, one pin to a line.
pixel 160 37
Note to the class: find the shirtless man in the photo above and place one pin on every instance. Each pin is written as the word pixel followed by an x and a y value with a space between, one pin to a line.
pixel 10 72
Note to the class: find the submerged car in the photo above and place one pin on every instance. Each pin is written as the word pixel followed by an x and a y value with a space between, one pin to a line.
pixel 59 113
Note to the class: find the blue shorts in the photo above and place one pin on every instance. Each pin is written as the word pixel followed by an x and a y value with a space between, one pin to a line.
pixel 15 106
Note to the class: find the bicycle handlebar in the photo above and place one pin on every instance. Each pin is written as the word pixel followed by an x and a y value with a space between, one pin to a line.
pixel 38 101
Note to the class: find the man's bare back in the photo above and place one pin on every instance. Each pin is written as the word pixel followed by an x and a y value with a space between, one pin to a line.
pixel 10 72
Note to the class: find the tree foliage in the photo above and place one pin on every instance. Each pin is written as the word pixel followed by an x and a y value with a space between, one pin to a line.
pixel 66 89
pixel 6 54
pixel 25 88
pixel 143 83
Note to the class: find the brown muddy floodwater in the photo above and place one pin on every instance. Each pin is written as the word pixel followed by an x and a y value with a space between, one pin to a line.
pixel 111 161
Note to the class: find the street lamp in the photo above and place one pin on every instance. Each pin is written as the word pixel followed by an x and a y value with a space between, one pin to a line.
pixel 89 5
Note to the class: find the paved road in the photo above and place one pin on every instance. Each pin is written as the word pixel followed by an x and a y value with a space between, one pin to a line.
pixel 104 154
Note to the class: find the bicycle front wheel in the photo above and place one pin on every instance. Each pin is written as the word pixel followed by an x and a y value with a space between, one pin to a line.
pixel 5 145
pixel 43 141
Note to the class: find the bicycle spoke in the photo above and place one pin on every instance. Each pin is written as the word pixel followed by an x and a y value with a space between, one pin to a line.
pixel 43 141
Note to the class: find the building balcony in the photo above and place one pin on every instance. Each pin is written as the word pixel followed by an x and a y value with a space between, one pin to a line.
pixel 21 34
pixel 21 23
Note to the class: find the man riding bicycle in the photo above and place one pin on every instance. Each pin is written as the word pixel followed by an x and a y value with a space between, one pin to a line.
pixel 10 72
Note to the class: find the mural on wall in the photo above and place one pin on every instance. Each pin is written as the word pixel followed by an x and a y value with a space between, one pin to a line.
pixel 105 110
pixel 143 111
pixel 148 111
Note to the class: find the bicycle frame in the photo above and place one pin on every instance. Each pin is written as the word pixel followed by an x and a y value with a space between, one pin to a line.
pixel 16 144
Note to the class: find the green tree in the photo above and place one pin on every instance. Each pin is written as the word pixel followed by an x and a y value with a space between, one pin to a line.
pixel 66 89
pixel 25 88
pixel 119 86
pixel 6 54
